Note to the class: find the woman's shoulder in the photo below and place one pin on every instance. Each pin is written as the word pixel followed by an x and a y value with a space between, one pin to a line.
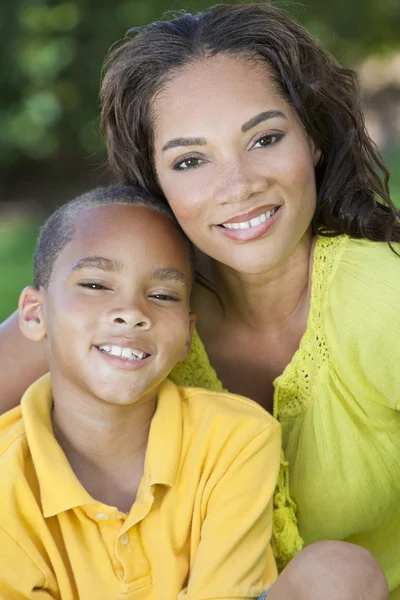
pixel 365 279
pixel 361 317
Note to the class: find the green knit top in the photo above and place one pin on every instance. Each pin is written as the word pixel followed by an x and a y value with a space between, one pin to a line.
pixel 338 402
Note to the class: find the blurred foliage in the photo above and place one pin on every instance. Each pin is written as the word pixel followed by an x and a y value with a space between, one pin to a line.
pixel 51 55
pixel 17 244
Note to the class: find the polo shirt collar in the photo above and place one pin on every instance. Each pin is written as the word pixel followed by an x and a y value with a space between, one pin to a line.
pixel 60 489
pixel 165 436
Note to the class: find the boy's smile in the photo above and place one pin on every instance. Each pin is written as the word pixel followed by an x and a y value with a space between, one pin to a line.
pixel 122 353
pixel 116 311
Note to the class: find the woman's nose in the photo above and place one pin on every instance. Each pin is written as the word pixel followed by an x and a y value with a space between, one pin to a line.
pixel 237 183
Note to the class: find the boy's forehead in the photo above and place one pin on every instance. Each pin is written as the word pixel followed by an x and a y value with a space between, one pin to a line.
pixel 108 214
pixel 124 232
pixel 117 222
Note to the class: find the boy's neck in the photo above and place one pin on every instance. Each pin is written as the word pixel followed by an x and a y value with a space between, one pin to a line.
pixel 104 443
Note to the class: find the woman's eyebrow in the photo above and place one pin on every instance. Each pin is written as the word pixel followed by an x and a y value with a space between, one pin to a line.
pixel 169 274
pixel 198 141
pixel 260 118
pixel 184 142
pixel 98 262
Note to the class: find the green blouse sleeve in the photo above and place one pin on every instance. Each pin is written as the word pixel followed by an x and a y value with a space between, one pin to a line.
pixel 363 321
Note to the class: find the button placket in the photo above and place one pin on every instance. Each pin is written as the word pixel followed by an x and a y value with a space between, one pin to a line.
pixel 102 516
pixel 124 539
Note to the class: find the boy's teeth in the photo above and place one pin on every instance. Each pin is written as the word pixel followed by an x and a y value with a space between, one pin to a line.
pixel 127 353
pixel 253 222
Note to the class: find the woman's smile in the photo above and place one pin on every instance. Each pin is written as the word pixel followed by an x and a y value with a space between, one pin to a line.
pixel 248 227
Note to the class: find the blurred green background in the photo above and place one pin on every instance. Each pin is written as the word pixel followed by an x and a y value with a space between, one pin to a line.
pixel 51 55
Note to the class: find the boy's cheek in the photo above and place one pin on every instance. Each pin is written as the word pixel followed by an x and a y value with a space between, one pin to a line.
pixel 179 337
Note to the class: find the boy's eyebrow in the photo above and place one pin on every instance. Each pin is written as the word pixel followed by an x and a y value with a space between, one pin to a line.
pixel 199 141
pixel 98 262
pixel 169 274
pixel 260 118
pixel 105 264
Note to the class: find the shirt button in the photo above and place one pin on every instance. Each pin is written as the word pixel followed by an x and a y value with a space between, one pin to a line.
pixel 102 517
pixel 124 539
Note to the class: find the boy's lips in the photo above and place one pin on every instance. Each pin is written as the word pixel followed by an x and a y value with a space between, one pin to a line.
pixel 131 363
pixel 124 352
pixel 127 354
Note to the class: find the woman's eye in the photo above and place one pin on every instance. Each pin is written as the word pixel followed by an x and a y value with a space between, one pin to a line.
pixel 92 285
pixel 164 297
pixel 187 163
pixel 268 140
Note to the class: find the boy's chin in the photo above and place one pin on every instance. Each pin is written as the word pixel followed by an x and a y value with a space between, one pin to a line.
pixel 121 395
pixel 121 391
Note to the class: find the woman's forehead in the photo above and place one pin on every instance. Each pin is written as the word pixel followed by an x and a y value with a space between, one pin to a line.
pixel 221 86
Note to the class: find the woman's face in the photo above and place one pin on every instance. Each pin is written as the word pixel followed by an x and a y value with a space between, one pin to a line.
pixel 235 163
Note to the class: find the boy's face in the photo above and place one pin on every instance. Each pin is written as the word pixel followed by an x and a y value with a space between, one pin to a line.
pixel 116 312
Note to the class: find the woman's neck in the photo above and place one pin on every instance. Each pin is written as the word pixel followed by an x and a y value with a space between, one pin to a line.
pixel 268 300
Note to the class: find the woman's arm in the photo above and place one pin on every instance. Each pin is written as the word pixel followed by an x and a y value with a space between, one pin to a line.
pixel 22 362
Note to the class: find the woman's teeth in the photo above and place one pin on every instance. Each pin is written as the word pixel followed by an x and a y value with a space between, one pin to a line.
pixel 253 223
pixel 127 353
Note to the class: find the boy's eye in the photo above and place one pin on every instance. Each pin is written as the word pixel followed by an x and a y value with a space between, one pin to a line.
pixel 92 285
pixel 164 297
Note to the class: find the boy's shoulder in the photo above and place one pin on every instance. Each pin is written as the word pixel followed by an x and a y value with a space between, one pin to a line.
pixel 229 409
pixel 207 432
pixel 16 474
pixel 12 434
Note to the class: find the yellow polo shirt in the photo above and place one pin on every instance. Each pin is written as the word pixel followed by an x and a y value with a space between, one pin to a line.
pixel 199 528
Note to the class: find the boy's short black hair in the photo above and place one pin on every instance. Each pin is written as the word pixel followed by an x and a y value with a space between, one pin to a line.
pixel 59 228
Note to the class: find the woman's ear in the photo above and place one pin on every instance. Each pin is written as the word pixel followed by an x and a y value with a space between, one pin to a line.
pixel 317 154
pixel 31 319
pixel 192 323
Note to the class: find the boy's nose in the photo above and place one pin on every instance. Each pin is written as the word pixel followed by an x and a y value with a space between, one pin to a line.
pixel 134 318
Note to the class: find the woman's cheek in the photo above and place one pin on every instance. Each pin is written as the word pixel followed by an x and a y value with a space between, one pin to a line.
pixel 187 208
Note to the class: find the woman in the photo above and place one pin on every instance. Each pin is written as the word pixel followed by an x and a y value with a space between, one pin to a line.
pixel 256 138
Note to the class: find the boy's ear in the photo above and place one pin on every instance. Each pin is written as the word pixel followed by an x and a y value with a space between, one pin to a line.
pixel 192 323
pixel 31 319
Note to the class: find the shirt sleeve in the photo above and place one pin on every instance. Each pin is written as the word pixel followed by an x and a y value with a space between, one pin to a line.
pixel 20 578
pixel 234 558
pixel 363 322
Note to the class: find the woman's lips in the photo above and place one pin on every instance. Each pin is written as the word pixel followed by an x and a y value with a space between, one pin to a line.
pixel 254 228
pixel 256 212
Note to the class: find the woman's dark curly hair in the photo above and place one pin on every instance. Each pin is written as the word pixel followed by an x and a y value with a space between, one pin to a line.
pixel 352 181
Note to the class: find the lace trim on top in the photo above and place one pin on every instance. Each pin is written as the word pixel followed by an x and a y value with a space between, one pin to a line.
pixel 293 389
pixel 197 371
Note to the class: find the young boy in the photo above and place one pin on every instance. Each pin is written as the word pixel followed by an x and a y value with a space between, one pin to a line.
pixel 116 483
